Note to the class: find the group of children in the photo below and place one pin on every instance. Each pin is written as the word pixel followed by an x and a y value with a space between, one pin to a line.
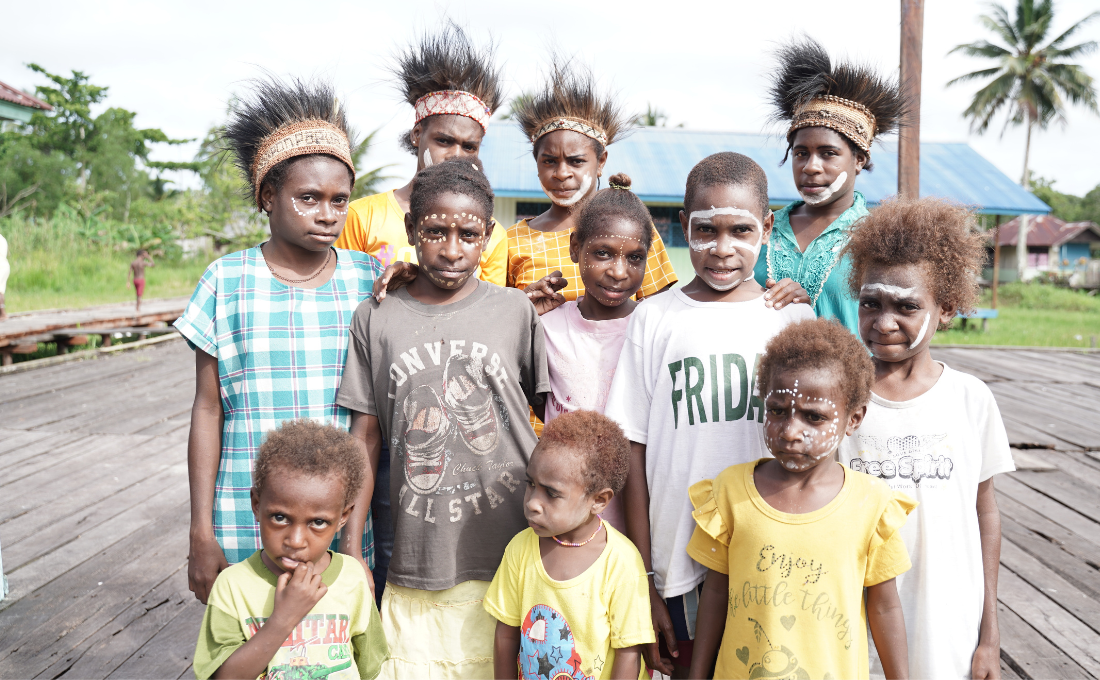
pixel 726 486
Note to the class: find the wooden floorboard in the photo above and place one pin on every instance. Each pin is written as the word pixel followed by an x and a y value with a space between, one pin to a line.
pixel 94 515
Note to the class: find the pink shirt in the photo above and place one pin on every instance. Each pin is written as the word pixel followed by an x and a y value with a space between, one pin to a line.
pixel 582 356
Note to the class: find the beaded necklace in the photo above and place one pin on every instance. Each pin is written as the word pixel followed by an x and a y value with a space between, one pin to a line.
pixel 567 544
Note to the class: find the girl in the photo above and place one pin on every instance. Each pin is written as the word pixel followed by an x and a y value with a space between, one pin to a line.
pixel 570 126
pixel 269 325
pixel 444 371
pixel 792 541
pixel 833 115
pixel 931 431
pixel 570 597
pixel 584 337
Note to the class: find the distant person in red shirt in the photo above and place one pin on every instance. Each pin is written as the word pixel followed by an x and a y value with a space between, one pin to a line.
pixel 137 273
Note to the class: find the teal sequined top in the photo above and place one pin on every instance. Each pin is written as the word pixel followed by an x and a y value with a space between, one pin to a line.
pixel 817 269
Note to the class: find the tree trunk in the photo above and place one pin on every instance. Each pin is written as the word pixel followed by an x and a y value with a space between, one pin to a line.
pixel 1021 233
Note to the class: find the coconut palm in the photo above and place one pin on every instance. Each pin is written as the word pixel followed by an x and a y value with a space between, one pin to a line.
pixel 1031 81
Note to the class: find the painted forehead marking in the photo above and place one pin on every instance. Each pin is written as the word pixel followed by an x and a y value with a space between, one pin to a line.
pixel 709 214
pixel 895 291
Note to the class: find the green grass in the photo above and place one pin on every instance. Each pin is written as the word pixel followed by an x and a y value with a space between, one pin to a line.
pixel 1030 315
pixel 42 279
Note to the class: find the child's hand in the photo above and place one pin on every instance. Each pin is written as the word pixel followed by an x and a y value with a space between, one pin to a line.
pixel 662 625
pixel 205 560
pixel 544 294
pixel 986 664
pixel 784 292
pixel 296 594
pixel 397 275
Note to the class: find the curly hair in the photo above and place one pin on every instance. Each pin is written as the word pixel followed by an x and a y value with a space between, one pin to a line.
pixel 938 235
pixel 270 104
pixel 616 201
pixel 452 176
pixel 729 168
pixel 447 60
pixel 597 441
pixel 823 345
pixel 314 449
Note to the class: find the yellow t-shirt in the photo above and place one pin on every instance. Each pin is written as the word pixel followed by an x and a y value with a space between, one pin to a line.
pixel 796 581
pixel 534 254
pixel 575 626
pixel 376 225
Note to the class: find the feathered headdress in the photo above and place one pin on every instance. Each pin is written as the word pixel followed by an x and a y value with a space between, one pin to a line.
pixel 277 121
pixel 444 74
pixel 570 100
pixel 807 90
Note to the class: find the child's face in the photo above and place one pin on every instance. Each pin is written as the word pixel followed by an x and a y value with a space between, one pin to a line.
pixel 568 166
pixel 806 415
pixel 612 261
pixel 443 136
pixel 310 209
pixel 555 502
pixel 824 165
pixel 898 314
pixel 449 239
pixel 298 516
pixel 725 230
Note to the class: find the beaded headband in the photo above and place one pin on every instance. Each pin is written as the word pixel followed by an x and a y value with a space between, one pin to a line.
pixel 299 139
pixel 453 102
pixel 574 124
pixel 851 119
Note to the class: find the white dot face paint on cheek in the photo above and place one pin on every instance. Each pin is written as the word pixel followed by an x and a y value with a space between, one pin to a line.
pixel 580 193
pixel 294 204
pixel 923 328
pixel 827 193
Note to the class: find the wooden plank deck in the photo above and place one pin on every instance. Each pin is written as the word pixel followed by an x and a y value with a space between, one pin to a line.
pixel 94 515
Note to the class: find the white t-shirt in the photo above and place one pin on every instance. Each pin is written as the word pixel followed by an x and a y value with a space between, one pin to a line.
pixel 685 388
pixel 937 448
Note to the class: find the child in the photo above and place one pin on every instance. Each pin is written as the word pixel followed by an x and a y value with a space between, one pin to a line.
pixel 584 337
pixel 682 390
pixel 931 431
pixel 294 608
pixel 792 541
pixel 571 596
pixel 136 274
pixel 444 371
pixel 269 325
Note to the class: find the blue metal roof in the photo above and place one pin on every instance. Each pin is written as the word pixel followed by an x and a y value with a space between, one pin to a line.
pixel 658 161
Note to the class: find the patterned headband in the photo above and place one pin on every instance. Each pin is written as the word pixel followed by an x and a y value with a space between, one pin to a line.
pixel 453 102
pixel 574 124
pixel 300 139
pixel 851 119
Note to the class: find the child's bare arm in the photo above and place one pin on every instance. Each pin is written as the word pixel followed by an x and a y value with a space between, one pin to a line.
pixel 627 663
pixel 368 434
pixel 987 657
pixel 506 652
pixel 295 596
pixel 205 558
pixel 710 623
pixel 887 625
pixel 636 509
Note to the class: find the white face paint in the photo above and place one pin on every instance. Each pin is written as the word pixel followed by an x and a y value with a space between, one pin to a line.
pixel 703 245
pixel 580 193
pixel 893 291
pixel 817 444
pixel 826 193
pixel 427 157
pixel 923 328
pixel 294 204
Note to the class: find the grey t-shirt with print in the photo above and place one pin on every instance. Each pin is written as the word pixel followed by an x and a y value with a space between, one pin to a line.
pixel 450 385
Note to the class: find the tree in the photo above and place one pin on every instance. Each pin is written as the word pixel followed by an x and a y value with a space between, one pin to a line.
pixel 516 103
pixel 653 117
pixel 1031 80
pixel 367 182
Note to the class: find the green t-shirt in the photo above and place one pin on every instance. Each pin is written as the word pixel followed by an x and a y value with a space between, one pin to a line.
pixel 341 637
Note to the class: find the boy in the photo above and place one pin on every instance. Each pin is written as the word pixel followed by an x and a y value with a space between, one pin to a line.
pixel 444 371
pixel 931 431
pixel 683 389
pixel 295 608
pixel 136 274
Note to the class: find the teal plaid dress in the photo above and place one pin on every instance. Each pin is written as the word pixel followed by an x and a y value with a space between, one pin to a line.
pixel 281 352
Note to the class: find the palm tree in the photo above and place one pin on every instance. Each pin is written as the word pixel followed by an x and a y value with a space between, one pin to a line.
pixel 1031 80
pixel 367 181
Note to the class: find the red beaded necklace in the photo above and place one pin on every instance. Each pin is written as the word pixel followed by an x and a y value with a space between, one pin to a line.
pixel 567 544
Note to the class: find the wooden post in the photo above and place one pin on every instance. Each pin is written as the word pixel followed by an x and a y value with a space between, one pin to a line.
pixel 912 39
pixel 996 257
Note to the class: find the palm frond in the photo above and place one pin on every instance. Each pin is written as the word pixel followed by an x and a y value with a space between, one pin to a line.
pixel 1073 29
pixel 982 48
pixel 974 75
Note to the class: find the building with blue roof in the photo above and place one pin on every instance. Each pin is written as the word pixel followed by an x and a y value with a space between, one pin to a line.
pixel 658 161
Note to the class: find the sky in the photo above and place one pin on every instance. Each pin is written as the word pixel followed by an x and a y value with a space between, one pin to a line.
pixel 704 63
